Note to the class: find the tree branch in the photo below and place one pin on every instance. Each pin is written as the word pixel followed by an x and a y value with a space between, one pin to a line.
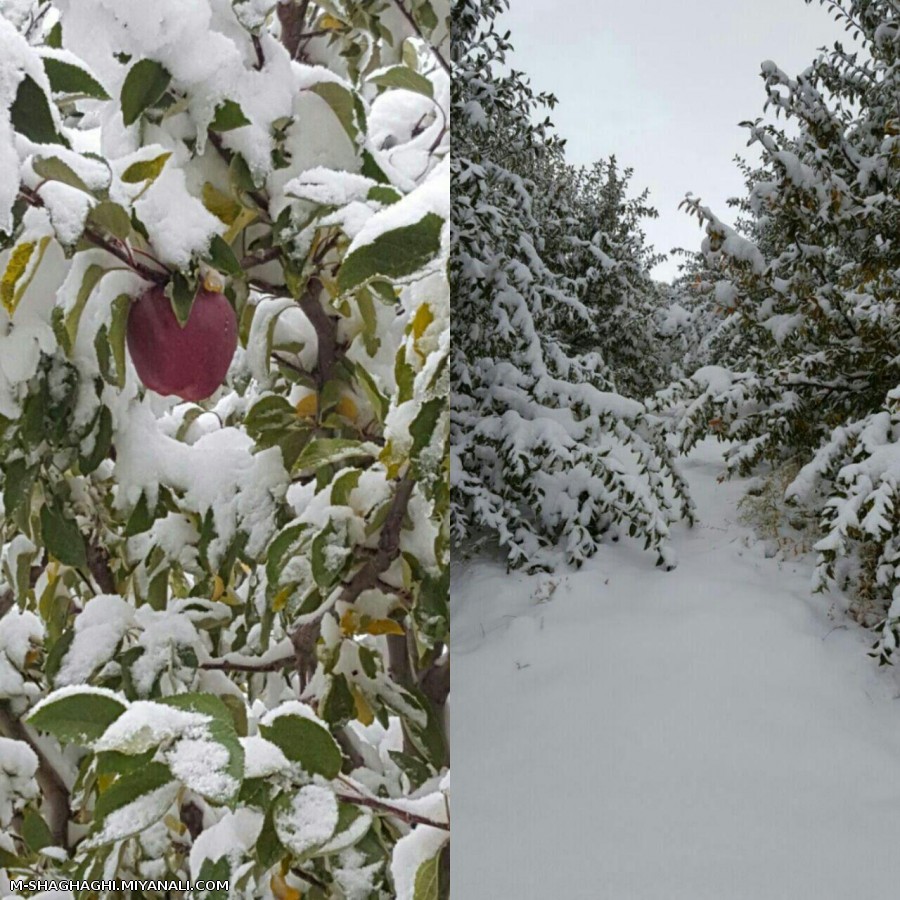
pixel 52 786
pixel 377 803
pixel 225 665
pixel 293 22
pixel 415 26
pixel 326 331
pixel 100 241
pixel 260 259
pixel 367 577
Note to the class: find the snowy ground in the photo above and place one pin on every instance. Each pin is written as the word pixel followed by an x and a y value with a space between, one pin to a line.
pixel 714 732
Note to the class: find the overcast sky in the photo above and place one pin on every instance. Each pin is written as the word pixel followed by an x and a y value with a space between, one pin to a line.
pixel 663 85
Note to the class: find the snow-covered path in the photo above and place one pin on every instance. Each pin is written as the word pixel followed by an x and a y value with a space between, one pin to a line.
pixel 712 733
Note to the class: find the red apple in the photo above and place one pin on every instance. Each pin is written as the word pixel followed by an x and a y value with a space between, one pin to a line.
pixel 189 362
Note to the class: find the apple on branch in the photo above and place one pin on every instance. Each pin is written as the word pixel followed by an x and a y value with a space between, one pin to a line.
pixel 190 362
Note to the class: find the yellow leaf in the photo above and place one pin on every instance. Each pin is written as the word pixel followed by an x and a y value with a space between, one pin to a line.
pixel 281 598
pixel 308 406
pixel 348 622
pixel 330 23
pixel 347 408
pixel 220 204
pixel 20 266
pixel 245 217
pixel 383 626
pixel 422 319
pixel 145 170
pixel 282 890
pixel 218 588
pixel 363 710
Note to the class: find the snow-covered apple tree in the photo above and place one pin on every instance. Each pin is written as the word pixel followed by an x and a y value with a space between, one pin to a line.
pixel 806 372
pixel 224 371
pixel 546 456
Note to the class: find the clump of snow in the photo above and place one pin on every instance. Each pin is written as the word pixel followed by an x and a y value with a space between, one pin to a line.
pixel 68 208
pixel 309 819
pixel 262 758
pixel 20 632
pixel 200 764
pixel 18 765
pixel 135 817
pixel 410 852
pixel 220 472
pixel 232 837
pixel 178 224
pixel 146 724
pixel 99 630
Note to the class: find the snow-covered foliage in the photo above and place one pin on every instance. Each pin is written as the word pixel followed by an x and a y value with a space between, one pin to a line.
pixel 807 353
pixel 547 456
pixel 224 624
pixel 601 250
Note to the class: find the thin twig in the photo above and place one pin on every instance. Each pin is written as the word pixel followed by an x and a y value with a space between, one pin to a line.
pixel 260 259
pixel 98 240
pixel 415 26
pixel 225 665
pixel 377 803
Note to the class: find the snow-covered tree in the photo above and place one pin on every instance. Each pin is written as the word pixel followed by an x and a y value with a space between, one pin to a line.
pixel 225 580
pixel 604 254
pixel 809 370
pixel 546 456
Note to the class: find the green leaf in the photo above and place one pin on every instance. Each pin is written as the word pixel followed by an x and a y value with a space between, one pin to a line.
pixel 114 762
pixel 62 537
pixel 382 193
pixel 324 451
pixel 92 276
pixel 52 168
pixel 229 115
pixel 307 742
pixel 342 105
pixel 279 551
pixel 222 257
pixel 329 558
pixel 54 37
pixel 141 518
pixel 423 425
pixel 145 83
pixel 117 328
pixel 269 850
pixel 394 254
pixel 181 292
pixel 430 880
pixel 146 169
pixel 111 218
pixel 35 831
pixel 31 114
pixel 126 790
pixel 337 706
pixel 417 772
pixel 77 718
pixel 68 78
pixel 404 78
pixel 102 443
pixel 17 487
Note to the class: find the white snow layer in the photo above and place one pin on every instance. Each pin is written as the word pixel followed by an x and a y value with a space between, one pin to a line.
pixel 713 732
